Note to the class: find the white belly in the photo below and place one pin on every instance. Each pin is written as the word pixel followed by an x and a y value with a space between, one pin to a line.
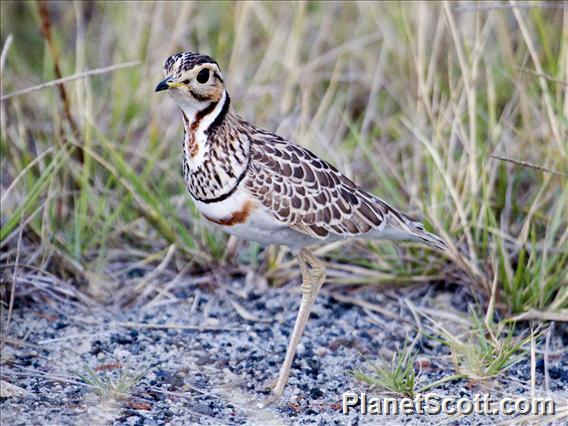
pixel 265 230
pixel 259 225
pixel 223 209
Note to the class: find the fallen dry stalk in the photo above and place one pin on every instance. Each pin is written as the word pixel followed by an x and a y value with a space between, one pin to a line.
pixel 78 76
pixel 527 164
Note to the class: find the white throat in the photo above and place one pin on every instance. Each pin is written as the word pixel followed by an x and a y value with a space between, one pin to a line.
pixel 196 134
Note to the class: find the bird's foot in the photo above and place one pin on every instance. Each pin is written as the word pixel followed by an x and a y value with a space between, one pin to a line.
pixel 270 384
pixel 276 390
pixel 274 396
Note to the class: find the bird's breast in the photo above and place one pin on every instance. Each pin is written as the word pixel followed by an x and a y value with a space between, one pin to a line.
pixel 236 209
pixel 245 217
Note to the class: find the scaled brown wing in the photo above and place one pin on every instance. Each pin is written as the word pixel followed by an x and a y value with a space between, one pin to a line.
pixel 307 193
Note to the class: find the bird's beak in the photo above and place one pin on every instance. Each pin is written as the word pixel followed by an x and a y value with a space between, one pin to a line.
pixel 166 83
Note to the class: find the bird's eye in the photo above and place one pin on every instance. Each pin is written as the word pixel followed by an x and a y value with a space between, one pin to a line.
pixel 185 81
pixel 203 76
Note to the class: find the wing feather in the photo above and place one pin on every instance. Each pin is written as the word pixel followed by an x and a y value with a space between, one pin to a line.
pixel 308 194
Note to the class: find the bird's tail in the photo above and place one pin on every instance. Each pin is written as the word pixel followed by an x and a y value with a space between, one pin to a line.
pixel 415 231
pixel 431 239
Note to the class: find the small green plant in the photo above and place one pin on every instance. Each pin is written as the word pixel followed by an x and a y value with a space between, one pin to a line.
pixel 488 349
pixel 108 388
pixel 398 376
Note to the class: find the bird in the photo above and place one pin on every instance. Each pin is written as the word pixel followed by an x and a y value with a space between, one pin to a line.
pixel 262 187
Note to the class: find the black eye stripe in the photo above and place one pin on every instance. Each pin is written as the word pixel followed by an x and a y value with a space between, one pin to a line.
pixel 217 76
pixel 199 97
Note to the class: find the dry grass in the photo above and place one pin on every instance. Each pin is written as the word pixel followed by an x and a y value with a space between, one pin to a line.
pixel 418 102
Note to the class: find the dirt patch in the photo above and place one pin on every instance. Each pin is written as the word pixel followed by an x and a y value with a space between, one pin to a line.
pixel 195 359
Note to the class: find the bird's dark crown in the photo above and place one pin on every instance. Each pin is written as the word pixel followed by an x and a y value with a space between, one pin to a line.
pixel 184 61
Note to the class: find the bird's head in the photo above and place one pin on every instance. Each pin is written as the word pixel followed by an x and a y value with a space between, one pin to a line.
pixel 193 80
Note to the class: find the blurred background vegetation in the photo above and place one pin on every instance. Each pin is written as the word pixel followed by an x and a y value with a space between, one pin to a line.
pixel 454 112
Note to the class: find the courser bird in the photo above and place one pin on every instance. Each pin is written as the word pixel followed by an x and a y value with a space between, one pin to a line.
pixel 261 187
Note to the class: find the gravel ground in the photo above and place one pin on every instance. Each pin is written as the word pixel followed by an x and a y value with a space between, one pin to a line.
pixel 204 358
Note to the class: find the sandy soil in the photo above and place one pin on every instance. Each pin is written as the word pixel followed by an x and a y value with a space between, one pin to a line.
pixel 203 358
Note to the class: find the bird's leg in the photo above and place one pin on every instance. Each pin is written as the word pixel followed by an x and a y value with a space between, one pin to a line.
pixel 312 281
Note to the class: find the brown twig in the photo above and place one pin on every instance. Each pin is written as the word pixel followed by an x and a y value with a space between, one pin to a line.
pixel 69 78
pixel 527 164
pixel 47 35
pixel 546 76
